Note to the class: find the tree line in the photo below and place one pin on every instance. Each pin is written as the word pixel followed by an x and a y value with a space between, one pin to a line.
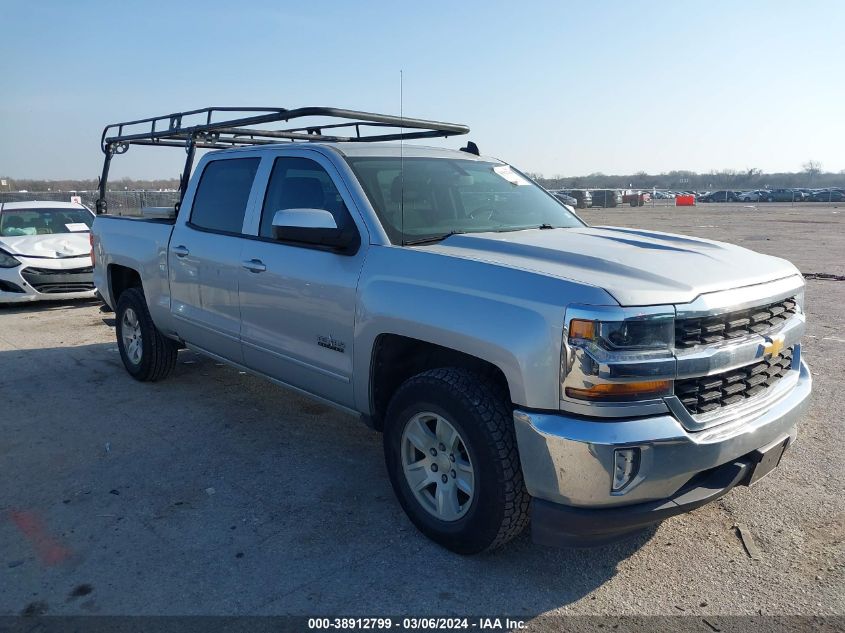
pixel 812 176
pixel 66 185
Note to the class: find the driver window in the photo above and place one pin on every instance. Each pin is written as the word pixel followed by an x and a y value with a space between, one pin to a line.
pixel 300 183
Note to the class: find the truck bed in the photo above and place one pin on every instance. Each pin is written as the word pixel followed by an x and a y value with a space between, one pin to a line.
pixel 139 244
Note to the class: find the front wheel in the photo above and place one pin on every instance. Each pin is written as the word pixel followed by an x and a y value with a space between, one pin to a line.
pixel 147 354
pixel 453 462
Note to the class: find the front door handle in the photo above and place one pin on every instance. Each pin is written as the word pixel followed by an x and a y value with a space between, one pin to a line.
pixel 254 266
pixel 180 251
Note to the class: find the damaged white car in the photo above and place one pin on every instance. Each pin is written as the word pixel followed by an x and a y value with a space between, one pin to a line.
pixel 45 252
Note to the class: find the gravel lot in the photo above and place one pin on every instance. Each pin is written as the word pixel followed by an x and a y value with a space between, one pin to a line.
pixel 215 492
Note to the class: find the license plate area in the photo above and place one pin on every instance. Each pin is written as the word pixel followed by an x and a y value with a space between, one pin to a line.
pixel 766 459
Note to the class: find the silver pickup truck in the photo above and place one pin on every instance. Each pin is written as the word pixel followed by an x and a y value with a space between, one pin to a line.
pixel 523 366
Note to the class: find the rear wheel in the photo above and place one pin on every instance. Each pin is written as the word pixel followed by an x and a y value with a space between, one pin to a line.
pixel 453 462
pixel 147 354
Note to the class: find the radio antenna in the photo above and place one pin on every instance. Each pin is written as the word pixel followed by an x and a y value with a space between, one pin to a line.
pixel 401 160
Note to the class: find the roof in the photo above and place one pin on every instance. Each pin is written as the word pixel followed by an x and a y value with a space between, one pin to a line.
pixel 407 150
pixel 40 204
pixel 374 150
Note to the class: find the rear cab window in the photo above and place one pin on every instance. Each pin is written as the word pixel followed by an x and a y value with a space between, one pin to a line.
pixel 222 195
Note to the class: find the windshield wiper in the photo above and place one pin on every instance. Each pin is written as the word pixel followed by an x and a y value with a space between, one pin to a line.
pixel 514 229
pixel 431 240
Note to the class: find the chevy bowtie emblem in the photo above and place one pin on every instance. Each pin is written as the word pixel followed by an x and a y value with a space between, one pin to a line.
pixel 773 345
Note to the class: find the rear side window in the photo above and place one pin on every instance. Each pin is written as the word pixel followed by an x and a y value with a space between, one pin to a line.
pixel 222 195
pixel 301 183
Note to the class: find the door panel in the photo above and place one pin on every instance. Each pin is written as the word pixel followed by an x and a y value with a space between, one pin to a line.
pixel 204 256
pixel 298 315
pixel 204 290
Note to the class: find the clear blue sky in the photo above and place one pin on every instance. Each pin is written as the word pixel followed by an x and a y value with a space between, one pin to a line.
pixel 552 87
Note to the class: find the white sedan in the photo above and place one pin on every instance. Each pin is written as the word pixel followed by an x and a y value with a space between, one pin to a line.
pixel 749 196
pixel 45 252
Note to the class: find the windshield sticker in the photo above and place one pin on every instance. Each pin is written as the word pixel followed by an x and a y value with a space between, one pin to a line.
pixel 77 227
pixel 510 175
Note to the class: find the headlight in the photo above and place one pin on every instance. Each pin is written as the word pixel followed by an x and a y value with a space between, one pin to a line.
pixel 619 336
pixel 625 355
pixel 7 261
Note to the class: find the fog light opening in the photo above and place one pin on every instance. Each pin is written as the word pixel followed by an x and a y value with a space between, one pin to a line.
pixel 626 465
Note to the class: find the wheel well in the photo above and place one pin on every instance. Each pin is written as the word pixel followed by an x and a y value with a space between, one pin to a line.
pixel 397 358
pixel 122 278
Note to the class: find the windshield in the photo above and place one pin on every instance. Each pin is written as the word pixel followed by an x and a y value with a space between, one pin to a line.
pixel 441 196
pixel 16 222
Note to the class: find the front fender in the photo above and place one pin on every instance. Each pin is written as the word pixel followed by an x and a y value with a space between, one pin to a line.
pixel 510 318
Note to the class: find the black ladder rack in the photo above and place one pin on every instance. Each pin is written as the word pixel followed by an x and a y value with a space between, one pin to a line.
pixel 172 130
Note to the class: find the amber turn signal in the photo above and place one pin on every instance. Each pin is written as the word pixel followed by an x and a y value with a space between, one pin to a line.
pixel 581 329
pixel 621 391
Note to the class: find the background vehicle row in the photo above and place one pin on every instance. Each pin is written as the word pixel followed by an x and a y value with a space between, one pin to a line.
pixel 609 198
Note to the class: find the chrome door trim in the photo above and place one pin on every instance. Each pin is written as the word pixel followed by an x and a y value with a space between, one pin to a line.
pixel 254 265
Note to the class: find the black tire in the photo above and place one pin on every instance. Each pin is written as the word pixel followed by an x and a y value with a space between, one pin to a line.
pixel 158 353
pixel 499 510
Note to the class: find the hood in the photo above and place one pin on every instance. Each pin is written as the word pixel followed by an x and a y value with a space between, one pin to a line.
pixel 53 246
pixel 636 267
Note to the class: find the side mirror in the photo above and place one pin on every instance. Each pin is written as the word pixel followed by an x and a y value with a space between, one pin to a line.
pixel 316 227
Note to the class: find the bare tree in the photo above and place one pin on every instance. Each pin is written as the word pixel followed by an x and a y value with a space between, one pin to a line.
pixel 812 168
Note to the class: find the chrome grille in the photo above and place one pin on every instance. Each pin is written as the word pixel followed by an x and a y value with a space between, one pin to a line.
pixel 709 393
pixel 713 329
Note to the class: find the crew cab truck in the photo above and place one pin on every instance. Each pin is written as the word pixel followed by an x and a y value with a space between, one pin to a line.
pixel 522 365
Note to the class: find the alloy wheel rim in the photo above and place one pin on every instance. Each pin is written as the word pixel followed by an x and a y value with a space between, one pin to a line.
pixel 130 331
pixel 437 466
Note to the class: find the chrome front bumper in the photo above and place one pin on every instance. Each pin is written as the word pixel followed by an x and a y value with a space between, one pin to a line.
pixel 568 459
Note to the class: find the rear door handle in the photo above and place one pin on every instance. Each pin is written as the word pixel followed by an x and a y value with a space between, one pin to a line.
pixel 254 266
pixel 180 251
